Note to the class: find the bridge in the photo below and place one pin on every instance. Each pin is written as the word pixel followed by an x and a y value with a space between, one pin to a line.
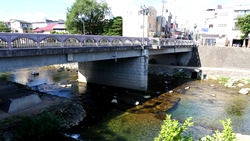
pixel 109 60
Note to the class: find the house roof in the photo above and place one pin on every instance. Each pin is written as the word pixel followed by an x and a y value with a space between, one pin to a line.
pixel 59 26
pixel 47 28
pixel 21 21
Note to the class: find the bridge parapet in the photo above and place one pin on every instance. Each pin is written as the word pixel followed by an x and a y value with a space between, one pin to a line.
pixel 27 40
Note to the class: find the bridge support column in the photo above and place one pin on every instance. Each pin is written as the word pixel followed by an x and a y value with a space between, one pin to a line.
pixel 131 73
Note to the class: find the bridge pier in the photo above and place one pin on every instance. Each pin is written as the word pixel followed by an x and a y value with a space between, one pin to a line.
pixel 131 73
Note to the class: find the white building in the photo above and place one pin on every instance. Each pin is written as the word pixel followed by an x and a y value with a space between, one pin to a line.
pixel 220 26
pixel 20 26
pixel 134 26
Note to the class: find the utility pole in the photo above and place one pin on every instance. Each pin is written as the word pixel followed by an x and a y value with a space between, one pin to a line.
pixel 163 4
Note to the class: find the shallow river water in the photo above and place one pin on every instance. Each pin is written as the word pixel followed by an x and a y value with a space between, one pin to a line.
pixel 207 102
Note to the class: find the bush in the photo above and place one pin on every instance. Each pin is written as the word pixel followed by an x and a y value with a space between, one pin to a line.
pixel 171 130
pixel 226 135
pixel 37 128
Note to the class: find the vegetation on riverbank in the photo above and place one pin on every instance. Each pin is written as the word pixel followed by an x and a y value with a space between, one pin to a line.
pixel 172 130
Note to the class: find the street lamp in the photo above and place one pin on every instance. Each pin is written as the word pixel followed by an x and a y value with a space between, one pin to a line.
pixel 145 11
pixel 82 18
pixel 195 26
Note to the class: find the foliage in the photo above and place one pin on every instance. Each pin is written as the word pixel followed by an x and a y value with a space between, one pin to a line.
pixel 4 27
pixel 113 27
pixel 94 14
pixel 223 79
pixel 37 128
pixel 171 130
pixel 243 24
pixel 55 32
pixel 6 76
pixel 226 135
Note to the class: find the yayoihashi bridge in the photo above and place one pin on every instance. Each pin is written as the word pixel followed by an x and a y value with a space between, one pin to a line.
pixel 110 60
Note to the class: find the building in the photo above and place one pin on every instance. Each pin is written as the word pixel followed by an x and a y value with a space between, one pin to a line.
pixel 47 26
pixel 19 26
pixel 135 24
pixel 220 26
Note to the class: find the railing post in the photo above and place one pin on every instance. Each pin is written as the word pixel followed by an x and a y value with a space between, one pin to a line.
pixel 38 42
pixel 9 41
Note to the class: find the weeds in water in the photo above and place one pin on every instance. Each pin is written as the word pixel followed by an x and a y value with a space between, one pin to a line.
pixel 6 76
pixel 223 79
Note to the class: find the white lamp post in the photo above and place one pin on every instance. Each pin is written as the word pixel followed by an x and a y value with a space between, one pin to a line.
pixel 145 11
pixel 195 26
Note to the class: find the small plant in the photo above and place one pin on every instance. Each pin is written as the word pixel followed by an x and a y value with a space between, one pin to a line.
pixel 172 130
pixel 226 135
pixel 223 79
pixel 6 76
pixel 37 128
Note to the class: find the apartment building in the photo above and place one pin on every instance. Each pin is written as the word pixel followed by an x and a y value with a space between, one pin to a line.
pixel 135 24
pixel 220 26
pixel 19 26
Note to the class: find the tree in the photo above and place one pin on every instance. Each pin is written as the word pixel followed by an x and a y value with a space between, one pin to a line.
pixel 4 27
pixel 243 24
pixel 94 14
pixel 113 27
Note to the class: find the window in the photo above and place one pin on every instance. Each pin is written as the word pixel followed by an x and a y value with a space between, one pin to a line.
pixel 222 25
pixel 149 25
pixel 210 26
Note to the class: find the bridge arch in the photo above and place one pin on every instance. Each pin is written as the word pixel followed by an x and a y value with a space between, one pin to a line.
pixel 71 42
pixel 50 41
pixel 3 43
pixel 117 42
pixel 24 42
pixel 127 42
pixel 104 42
pixel 89 42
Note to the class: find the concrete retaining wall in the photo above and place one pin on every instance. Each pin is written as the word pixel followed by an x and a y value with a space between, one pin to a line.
pixel 128 73
pixel 224 57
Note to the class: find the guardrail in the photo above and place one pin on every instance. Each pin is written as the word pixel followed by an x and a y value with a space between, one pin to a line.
pixel 27 40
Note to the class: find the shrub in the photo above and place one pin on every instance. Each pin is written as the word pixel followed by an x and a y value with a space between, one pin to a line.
pixel 37 128
pixel 226 135
pixel 171 130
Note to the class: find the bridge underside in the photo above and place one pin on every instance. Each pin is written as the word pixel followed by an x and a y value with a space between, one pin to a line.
pixel 131 73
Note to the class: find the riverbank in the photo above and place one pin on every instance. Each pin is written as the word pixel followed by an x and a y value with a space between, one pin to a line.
pixel 69 111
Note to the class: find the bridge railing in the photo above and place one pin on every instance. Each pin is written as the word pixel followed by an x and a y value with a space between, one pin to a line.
pixel 27 40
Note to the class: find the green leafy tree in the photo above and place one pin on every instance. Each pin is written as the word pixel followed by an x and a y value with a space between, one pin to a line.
pixel 4 27
pixel 243 24
pixel 172 130
pixel 94 14
pixel 113 27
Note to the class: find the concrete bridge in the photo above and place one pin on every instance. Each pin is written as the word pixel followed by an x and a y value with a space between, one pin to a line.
pixel 109 60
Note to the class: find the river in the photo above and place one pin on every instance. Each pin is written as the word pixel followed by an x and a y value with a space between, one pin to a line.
pixel 207 102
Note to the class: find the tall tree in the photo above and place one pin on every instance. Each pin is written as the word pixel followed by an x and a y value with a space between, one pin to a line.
pixel 243 24
pixel 87 12
pixel 113 27
pixel 4 27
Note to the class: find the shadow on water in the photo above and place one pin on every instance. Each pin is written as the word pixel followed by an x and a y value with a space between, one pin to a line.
pixel 134 112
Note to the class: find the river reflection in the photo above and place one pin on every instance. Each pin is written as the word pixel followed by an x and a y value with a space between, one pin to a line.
pixel 207 102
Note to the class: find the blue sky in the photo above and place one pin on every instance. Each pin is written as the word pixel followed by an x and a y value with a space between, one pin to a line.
pixel 36 10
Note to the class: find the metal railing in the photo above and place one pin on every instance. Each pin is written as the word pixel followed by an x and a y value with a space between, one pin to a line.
pixel 27 40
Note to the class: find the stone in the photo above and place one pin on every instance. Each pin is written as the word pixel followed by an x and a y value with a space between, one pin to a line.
pixel 171 91
pixel 186 88
pixel 244 91
pixel 240 85
pixel 114 101
pixel 213 95
pixel 136 103
pixel 147 96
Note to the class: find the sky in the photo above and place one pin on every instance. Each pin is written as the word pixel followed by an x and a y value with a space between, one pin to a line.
pixel 190 11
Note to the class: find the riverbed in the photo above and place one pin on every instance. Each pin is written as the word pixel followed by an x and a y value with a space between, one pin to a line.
pixel 139 115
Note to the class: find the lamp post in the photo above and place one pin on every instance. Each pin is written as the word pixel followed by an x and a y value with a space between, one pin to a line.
pixel 195 26
pixel 145 11
pixel 82 18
